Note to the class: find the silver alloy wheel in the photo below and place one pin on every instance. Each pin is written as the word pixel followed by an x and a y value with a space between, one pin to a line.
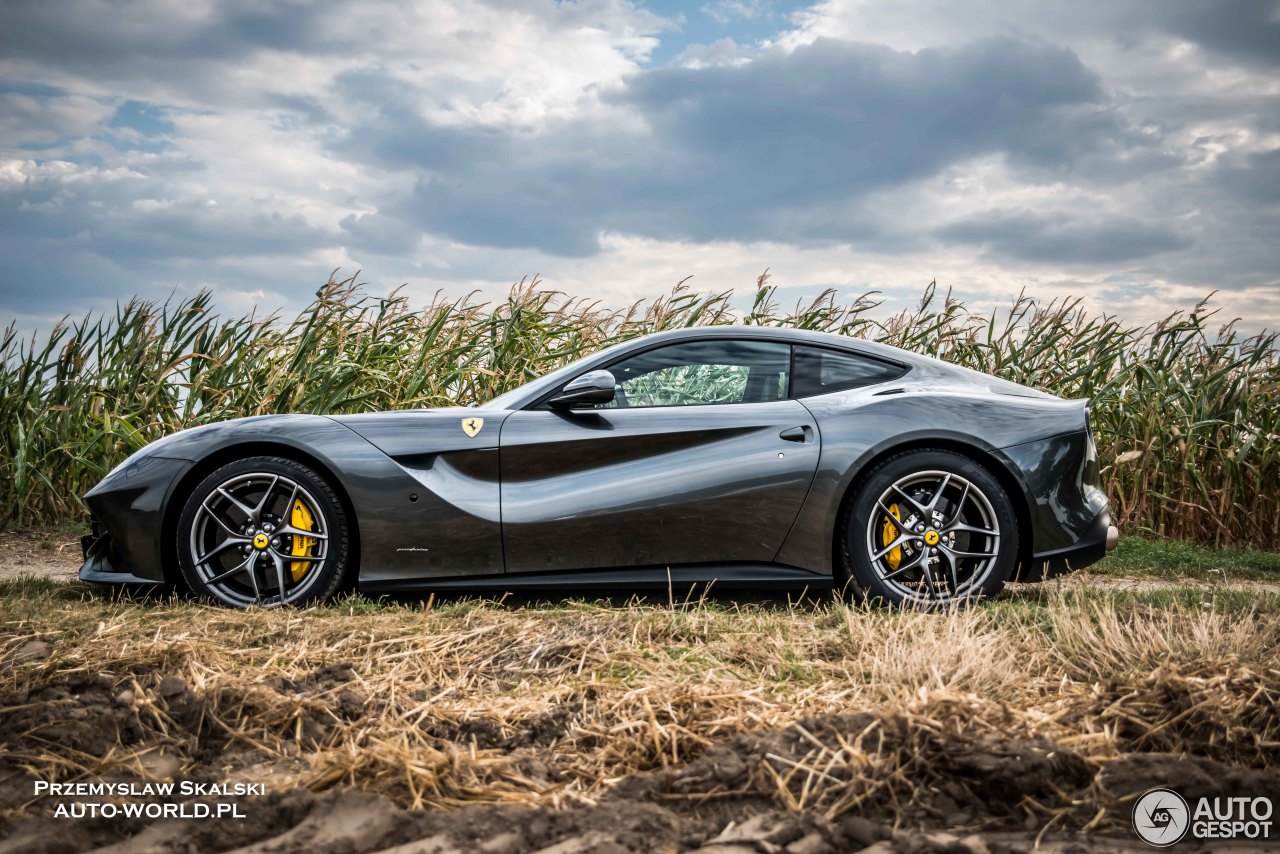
pixel 245 547
pixel 941 544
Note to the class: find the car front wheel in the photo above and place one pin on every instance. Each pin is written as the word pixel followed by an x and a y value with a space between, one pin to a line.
pixel 265 531
pixel 928 528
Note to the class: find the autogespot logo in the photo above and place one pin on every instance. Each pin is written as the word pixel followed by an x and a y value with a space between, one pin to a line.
pixel 1160 817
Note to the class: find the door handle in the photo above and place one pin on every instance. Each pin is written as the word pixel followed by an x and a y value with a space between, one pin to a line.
pixel 795 434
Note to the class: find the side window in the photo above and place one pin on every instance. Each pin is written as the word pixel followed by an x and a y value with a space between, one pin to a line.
pixel 822 371
pixel 703 372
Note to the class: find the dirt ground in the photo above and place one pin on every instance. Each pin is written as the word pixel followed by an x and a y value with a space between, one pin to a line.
pixel 709 805
pixel 40 553
pixel 352 821
pixel 970 787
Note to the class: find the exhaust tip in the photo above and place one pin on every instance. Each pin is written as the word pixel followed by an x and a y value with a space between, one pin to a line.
pixel 1113 537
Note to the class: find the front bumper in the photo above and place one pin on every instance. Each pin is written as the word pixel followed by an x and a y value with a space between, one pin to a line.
pixel 101 565
pixel 126 546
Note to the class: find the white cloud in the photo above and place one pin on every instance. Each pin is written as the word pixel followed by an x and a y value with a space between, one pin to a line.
pixel 465 60
pixel 725 11
pixel 1145 46
pixel 26 120
pixel 723 51
pixel 1126 151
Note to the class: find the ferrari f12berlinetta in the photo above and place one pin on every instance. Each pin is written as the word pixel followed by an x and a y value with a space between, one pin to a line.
pixel 742 456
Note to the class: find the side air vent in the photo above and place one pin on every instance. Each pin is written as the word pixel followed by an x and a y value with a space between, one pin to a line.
pixel 889 391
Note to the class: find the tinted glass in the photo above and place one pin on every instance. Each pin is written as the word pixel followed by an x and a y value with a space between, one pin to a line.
pixel 821 371
pixel 702 372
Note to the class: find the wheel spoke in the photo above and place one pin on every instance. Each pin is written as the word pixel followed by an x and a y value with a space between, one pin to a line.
pixel 266 496
pixel 288 507
pixel 240 505
pixel 306 558
pixel 297 532
pixel 223 525
pixel 955 578
pixel 959 553
pixel 898 542
pixel 239 569
pixel 961 526
pixel 279 575
pixel 904 567
pixel 898 523
pixel 960 504
pixel 220 548
pixel 916 504
pixel 253 577
pixel 928 578
pixel 937 495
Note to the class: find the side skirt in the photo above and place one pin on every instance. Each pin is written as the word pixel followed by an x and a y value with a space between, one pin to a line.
pixel 746 576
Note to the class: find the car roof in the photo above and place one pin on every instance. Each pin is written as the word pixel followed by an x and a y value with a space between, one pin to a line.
pixel 785 334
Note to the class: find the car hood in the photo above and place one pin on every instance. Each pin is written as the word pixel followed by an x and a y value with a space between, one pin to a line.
pixel 427 431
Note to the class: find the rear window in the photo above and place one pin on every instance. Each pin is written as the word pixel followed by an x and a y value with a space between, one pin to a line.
pixel 821 371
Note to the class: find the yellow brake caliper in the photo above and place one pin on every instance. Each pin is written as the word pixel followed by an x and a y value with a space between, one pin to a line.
pixel 887 536
pixel 302 520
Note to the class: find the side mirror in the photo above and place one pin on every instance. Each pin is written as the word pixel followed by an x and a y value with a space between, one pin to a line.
pixel 591 387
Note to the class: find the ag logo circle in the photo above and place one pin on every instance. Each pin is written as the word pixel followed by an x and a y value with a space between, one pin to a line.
pixel 1161 817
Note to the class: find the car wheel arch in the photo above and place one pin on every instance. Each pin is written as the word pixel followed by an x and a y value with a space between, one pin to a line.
pixel 989 461
pixel 222 456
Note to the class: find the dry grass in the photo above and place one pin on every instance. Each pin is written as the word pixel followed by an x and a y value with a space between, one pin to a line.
pixel 1010 711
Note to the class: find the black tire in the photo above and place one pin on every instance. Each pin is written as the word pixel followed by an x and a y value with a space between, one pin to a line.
pixel 218 531
pixel 984 523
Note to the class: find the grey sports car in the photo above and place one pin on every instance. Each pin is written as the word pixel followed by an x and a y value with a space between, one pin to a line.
pixel 742 456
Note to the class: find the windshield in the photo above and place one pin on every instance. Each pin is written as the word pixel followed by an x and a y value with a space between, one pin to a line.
pixel 546 382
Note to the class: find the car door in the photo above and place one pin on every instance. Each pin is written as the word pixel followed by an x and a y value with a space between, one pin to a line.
pixel 700 458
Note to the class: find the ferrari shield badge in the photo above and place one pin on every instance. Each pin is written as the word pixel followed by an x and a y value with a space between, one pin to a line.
pixel 471 426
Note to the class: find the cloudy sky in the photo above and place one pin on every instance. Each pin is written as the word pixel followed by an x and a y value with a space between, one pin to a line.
pixel 1127 151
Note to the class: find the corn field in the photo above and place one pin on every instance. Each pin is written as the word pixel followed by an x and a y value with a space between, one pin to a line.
pixel 1187 413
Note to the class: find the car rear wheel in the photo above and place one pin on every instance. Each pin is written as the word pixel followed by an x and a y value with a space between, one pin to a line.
pixel 928 528
pixel 264 531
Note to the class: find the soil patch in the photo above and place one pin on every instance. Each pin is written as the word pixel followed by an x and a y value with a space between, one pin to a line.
pixel 887 783
pixel 46 554
pixel 353 822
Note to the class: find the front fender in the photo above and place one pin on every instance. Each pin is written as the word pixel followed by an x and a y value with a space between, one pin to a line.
pixel 431 513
